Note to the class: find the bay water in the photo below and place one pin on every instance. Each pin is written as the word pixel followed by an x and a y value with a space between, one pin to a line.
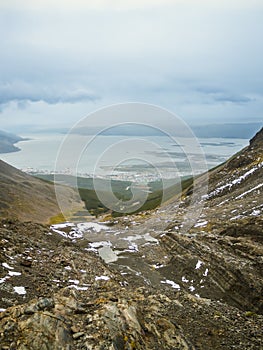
pixel 120 156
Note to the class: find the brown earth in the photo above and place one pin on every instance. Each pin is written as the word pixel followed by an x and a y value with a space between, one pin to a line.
pixel 27 198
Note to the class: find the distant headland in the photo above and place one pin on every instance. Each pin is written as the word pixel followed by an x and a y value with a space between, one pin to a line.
pixel 8 141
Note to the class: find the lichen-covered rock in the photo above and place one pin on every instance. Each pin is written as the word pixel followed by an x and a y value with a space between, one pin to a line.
pixel 129 320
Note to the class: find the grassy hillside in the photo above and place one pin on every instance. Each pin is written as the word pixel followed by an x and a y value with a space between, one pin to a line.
pixel 121 189
pixel 27 198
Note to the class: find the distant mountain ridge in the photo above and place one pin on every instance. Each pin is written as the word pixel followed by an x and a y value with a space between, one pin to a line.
pixel 7 141
pixel 228 130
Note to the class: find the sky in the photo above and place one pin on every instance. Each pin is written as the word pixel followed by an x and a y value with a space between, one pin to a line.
pixel 61 60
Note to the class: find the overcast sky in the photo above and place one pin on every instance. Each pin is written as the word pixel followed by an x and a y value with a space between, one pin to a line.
pixel 61 60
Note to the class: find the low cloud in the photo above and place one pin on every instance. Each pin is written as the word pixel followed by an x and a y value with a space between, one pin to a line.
pixel 228 98
pixel 21 93
pixel 216 94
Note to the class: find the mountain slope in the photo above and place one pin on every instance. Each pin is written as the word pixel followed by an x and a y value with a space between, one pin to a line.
pixel 29 199
pixel 226 242
pixel 235 187
pixel 219 256
pixel 143 282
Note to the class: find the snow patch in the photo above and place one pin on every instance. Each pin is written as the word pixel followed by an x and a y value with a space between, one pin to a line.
pixel 198 264
pixel 201 224
pixel 132 238
pixel 64 225
pixel 205 273
pixel 78 287
pixel 185 279
pixel 7 266
pixel 91 226
pixel 2 280
pixel 74 281
pixel 100 244
pixel 237 217
pixel 256 213
pixel 13 273
pixel 234 182
pixel 20 290
pixel 104 278
pixel 249 191
pixel 133 247
pixel 77 231
pixel 172 283
pixel 107 254
pixel 149 238
pixel 157 266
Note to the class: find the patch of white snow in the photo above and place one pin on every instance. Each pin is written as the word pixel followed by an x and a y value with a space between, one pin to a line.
pixel 78 287
pixel 205 273
pixel 74 281
pixel 198 264
pixel 256 213
pixel 13 273
pixel 2 280
pixel 20 290
pixel 91 226
pixel 149 238
pixel 7 266
pixel 172 283
pixel 104 278
pixel 185 280
pixel 201 224
pixel 249 191
pixel 100 244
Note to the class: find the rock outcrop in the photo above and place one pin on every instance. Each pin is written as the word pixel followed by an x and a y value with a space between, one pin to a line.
pixel 73 300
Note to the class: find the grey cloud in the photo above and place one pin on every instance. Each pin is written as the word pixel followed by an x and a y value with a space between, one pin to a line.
pixel 207 89
pixel 21 93
pixel 216 94
pixel 228 98
pixel 181 58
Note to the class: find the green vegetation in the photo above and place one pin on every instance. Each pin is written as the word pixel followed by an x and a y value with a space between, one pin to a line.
pixel 122 190
pixel 57 219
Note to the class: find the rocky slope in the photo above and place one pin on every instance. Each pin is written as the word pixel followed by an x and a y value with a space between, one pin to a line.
pixel 65 297
pixel 26 198
pixel 143 281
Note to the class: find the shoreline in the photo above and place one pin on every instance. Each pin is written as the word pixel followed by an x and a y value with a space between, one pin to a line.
pixel 8 143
